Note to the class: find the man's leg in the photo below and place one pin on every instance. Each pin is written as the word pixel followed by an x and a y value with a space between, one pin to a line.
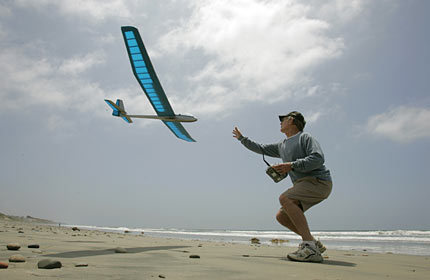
pixel 297 217
pixel 284 220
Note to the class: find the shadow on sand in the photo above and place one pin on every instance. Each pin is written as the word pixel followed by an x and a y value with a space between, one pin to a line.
pixel 90 253
pixel 330 262
pixel 339 263
pixel 325 262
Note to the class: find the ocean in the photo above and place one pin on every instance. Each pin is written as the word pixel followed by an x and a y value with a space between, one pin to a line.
pixel 410 242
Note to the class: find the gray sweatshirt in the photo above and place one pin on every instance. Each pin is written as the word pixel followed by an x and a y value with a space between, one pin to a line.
pixel 302 150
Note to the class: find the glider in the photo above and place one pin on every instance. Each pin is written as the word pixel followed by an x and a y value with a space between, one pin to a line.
pixel 148 80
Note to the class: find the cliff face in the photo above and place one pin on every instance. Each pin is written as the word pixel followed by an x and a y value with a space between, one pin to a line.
pixel 28 219
pixel 38 220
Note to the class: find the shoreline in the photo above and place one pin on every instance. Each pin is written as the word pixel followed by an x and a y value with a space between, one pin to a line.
pixel 396 242
pixel 151 257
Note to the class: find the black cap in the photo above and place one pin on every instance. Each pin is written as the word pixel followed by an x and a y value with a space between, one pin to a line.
pixel 298 119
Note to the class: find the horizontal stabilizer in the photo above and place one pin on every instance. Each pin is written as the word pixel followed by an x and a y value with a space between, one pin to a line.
pixel 118 110
pixel 127 119
pixel 115 108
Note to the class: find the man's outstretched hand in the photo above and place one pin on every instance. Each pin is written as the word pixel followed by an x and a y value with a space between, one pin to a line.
pixel 236 133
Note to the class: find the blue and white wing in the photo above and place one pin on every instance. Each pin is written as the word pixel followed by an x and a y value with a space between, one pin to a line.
pixel 144 71
pixel 179 131
pixel 148 80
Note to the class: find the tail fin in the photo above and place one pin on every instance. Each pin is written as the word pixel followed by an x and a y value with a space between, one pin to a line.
pixel 120 104
pixel 118 109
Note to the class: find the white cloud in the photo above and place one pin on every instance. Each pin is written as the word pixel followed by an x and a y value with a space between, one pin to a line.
pixel 79 64
pixel 257 50
pixel 341 10
pixel 313 91
pixel 4 11
pixel 94 8
pixel 26 81
pixel 107 39
pixel 402 124
pixel 313 117
pixel 33 77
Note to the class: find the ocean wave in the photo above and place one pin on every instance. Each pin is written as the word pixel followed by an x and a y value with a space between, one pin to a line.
pixel 381 236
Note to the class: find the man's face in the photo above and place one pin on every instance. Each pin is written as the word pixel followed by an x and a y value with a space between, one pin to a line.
pixel 286 123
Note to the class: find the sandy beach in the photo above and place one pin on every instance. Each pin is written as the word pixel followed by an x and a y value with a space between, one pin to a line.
pixel 149 258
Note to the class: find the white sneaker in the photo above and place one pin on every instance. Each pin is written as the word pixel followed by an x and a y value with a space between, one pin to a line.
pixel 321 248
pixel 306 253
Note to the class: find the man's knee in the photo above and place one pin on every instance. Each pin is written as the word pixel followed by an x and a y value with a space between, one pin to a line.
pixel 287 203
pixel 280 215
pixel 284 200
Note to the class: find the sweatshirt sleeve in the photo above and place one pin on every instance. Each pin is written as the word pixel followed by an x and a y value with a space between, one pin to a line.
pixel 314 158
pixel 271 150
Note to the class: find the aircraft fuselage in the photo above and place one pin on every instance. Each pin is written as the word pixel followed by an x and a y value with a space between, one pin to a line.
pixel 175 118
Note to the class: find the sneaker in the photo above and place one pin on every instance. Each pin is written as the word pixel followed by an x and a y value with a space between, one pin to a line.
pixel 306 253
pixel 321 248
pixel 300 248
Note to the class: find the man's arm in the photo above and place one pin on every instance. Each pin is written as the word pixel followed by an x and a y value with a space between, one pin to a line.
pixel 314 158
pixel 270 150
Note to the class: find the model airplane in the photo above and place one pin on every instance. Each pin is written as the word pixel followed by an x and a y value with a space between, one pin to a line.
pixel 145 75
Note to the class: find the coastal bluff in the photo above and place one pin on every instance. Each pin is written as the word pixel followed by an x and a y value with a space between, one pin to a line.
pixel 24 219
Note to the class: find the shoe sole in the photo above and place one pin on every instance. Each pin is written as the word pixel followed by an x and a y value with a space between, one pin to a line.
pixel 308 259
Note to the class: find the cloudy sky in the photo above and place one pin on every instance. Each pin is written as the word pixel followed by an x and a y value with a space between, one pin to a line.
pixel 358 71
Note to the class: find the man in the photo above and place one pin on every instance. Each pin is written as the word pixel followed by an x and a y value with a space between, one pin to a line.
pixel 303 160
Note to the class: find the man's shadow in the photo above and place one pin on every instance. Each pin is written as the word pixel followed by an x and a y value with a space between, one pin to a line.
pixel 325 262
pixel 91 253
pixel 332 262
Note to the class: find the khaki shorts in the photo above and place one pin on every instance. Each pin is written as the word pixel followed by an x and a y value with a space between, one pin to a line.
pixel 309 191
